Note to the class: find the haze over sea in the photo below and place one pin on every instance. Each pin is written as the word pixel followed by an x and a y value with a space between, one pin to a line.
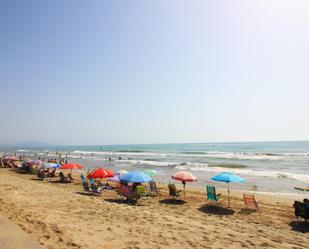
pixel 271 167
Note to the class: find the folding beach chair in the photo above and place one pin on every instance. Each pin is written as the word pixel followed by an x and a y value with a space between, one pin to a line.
pixel 300 210
pixel 94 189
pixel 173 192
pixel 250 202
pixel 140 193
pixel 153 188
pixel 86 188
pixel 211 194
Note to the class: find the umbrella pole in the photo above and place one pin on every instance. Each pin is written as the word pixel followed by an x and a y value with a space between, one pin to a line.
pixel 228 192
pixel 184 191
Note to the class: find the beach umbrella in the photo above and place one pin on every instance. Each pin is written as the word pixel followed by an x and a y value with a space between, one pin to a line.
pixel 184 177
pixel 100 173
pixel 135 177
pixel 151 172
pixel 12 158
pixel 121 172
pixel 71 166
pixel 227 178
pixel 35 162
pixel 115 178
pixel 51 165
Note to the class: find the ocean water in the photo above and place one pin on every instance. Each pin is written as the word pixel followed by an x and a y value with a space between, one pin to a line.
pixel 268 167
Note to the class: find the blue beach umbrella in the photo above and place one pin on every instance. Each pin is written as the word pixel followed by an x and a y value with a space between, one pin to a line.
pixel 228 177
pixel 135 177
pixel 51 165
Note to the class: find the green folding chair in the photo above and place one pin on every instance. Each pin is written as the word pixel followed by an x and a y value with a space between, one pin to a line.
pixel 211 194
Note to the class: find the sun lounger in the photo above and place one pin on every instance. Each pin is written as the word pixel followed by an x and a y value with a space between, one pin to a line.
pixel 250 202
pixel 211 194
pixel 173 192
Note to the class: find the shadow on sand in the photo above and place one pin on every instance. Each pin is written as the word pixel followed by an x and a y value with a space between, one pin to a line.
pixel 37 179
pixel 300 226
pixel 172 202
pixel 58 181
pixel 245 211
pixel 120 201
pixel 217 210
pixel 88 193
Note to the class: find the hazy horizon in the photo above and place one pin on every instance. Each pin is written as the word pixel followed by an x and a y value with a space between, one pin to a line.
pixel 153 72
pixel 42 144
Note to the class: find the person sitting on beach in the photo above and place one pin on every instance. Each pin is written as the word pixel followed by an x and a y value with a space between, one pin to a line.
pixel 125 189
pixel 306 207
pixel 52 173
pixel 70 176
pixel 135 185
pixel 83 178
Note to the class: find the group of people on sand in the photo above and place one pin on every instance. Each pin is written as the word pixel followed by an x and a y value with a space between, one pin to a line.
pixel 21 165
pixel 47 172
pixel 96 186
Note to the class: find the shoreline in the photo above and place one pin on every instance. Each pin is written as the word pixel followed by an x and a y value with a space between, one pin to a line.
pixel 59 216
pixel 287 172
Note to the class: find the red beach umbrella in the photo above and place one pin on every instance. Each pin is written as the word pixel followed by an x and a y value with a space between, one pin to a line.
pixel 71 166
pixel 184 177
pixel 101 173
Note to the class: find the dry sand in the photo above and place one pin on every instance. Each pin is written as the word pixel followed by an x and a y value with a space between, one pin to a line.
pixel 12 237
pixel 58 217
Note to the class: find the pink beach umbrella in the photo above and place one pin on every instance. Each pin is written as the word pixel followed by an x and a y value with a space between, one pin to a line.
pixel 12 158
pixel 35 162
pixel 115 178
pixel 184 177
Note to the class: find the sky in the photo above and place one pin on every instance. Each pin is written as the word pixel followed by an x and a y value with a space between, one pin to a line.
pixel 124 72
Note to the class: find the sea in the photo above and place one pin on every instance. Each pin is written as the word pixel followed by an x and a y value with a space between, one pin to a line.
pixel 267 167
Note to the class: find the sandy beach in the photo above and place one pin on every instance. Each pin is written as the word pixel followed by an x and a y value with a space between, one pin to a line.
pixel 57 216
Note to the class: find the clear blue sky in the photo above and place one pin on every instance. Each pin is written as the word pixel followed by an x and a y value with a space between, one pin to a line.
pixel 111 72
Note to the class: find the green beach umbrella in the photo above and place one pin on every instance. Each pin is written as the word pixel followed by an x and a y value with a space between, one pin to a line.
pixel 151 172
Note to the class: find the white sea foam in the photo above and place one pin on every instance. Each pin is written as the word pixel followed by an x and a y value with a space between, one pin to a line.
pixel 150 163
pixel 25 151
pixel 246 172
pixel 252 156
pixel 116 153
pixel 291 156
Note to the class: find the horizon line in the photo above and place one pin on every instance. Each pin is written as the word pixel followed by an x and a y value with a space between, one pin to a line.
pixel 118 144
